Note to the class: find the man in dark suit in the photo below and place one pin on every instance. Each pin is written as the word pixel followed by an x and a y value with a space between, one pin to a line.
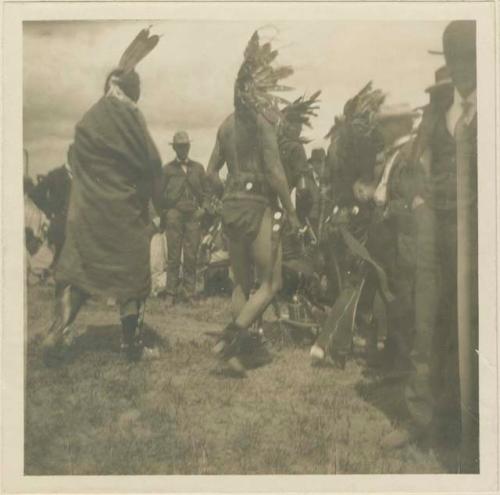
pixel 185 195
pixel 442 396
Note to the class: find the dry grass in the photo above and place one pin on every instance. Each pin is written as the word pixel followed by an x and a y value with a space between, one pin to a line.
pixel 175 415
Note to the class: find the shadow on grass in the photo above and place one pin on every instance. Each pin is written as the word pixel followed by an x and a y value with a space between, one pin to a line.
pixel 99 339
pixel 388 396
pixel 107 338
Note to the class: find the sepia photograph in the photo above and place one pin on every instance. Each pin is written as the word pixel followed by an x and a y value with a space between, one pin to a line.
pixel 252 245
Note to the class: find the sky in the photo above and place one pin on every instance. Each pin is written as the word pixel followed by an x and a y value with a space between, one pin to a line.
pixel 187 80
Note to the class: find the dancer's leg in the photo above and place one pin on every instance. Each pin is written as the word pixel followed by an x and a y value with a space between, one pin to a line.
pixel 266 254
pixel 242 268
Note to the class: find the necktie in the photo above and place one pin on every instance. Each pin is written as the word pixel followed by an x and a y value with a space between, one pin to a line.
pixel 467 289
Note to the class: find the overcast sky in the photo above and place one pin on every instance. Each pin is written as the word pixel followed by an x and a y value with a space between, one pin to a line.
pixel 187 81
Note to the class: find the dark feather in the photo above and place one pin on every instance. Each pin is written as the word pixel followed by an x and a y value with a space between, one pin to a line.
pixel 257 79
pixel 137 50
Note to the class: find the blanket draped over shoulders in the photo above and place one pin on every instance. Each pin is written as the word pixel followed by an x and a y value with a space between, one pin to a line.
pixel 114 163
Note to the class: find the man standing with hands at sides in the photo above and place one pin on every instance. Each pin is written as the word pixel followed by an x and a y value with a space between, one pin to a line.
pixel 185 196
pixel 443 396
pixel 247 143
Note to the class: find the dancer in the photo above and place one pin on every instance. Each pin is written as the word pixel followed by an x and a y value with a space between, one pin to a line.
pixel 116 171
pixel 252 217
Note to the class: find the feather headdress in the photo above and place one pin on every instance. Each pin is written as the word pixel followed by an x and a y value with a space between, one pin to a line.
pixel 359 112
pixel 302 109
pixel 299 112
pixel 257 80
pixel 142 44
pixel 354 138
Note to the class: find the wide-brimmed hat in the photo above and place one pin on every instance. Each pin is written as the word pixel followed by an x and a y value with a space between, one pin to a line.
pixel 442 78
pixel 459 39
pixel 399 111
pixel 181 137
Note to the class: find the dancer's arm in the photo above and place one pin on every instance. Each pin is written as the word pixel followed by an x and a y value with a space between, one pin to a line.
pixel 217 161
pixel 273 167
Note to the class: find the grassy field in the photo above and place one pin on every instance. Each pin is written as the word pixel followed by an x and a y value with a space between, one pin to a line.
pixel 99 415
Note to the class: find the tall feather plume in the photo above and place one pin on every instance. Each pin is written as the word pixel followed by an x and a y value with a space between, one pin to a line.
pixel 354 140
pixel 257 80
pixel 142 44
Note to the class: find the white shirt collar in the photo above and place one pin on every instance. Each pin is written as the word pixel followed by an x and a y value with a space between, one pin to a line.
pixel 471 99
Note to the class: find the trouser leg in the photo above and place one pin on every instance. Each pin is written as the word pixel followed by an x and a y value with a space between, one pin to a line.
pixel 468 334
pixel 400 315
pixel 175 232
pixel 418 393
pixel 190 253
pixel 446 377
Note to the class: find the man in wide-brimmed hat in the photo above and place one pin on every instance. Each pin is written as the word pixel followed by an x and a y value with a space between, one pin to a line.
pixel 445 209
pixel 185 195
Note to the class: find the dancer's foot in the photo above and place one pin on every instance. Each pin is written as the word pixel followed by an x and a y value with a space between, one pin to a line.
pixel 228 335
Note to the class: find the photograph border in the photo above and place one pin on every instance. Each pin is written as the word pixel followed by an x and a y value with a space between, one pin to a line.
pixel 13 290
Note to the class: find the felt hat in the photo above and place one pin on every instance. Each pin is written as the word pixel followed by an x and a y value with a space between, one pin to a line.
pixel 441 79
pixel 459 40
pixel 317 155
pixel 181 137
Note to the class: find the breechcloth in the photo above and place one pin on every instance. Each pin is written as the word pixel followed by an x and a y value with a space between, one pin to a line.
pixel 242 217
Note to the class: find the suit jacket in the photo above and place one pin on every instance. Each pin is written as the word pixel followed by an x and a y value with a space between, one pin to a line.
pixel 424 178
pixel 176 181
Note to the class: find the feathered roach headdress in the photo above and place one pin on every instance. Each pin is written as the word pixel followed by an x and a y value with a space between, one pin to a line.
pixel 124 75
pixel 257 80
pixel 299 113
pixel 354 137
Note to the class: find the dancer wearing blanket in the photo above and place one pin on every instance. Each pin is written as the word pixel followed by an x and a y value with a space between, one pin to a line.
pixel 247 143
pixel 116 172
